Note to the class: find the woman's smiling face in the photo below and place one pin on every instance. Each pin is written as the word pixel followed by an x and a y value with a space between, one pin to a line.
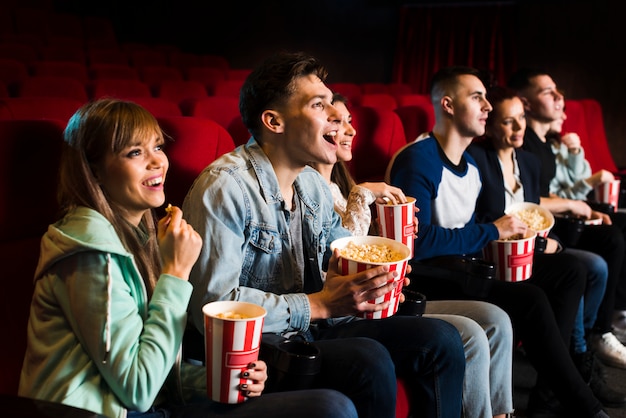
pixel 345 134
pixel 133 178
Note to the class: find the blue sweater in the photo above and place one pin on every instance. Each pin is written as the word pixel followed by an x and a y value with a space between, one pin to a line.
pixel 446 195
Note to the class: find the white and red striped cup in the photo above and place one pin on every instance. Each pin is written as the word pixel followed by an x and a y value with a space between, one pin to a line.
pixel 397 221
pixel 230 345
pixel 608 192
pixel 513 258
pixel 351 266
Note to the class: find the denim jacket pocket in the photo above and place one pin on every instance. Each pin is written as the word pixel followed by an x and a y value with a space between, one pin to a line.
pixel 262 260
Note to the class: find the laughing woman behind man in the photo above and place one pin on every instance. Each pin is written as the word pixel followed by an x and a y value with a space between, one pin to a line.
pixel 109 307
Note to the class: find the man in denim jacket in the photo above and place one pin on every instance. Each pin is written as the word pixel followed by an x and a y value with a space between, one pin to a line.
pixel 267 221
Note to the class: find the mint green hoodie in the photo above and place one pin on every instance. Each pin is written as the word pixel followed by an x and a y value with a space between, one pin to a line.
pixel 94 340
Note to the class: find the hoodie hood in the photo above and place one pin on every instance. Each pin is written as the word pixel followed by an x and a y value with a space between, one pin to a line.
pixel 82 229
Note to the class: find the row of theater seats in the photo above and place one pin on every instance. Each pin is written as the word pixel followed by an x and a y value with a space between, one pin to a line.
pixel 414 119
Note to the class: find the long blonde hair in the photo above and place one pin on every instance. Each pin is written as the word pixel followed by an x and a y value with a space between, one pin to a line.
pixel 101 127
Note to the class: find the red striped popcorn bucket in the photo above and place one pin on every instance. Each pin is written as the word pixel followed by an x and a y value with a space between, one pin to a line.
pixel 608 192
pixel 397 221
pixel 352 265
pixel 513 258
pixel 232 332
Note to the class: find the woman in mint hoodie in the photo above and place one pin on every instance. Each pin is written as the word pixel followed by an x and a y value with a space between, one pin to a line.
pixel 109 307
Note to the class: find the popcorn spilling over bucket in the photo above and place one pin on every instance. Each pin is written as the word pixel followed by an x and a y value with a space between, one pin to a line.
pixel 513 258
pixel 397 221
pixel 534 216
pixel 608 192
pixel 362 253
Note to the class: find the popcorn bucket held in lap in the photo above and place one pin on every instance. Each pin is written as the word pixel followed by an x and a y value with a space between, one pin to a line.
pixel 361 253
pixel 513 258
pixel 232 341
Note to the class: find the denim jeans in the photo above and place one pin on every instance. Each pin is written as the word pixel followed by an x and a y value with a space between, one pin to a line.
pixel 487 336
pixel 313 403
pixel 597 275
pixel 426 352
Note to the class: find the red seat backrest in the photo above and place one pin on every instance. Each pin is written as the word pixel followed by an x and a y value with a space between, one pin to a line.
pixel 31 151
pixel 158 106
pixel 179 91
pixel 120 88
pixel 59 108
pixel 209 76
pixel 196 142
pixel 422 100
pixel 577 123
pixel 597 136
pixel 369 88
pixel 415 120
pixel 63 69
pixel 379 134
pixel 351 91
pixel 227 88
pixel 384 101
pixel 223 110
pixel 53 86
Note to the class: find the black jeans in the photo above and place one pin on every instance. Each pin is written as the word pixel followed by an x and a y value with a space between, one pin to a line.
pixel 542 310
pixel 608 242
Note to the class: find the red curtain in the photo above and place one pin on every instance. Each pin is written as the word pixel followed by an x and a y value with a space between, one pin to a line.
pixel 432 36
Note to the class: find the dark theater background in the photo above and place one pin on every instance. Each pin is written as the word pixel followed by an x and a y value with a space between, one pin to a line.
pixel 580 43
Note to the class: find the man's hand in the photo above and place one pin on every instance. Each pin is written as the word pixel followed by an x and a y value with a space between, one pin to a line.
pixel 349 294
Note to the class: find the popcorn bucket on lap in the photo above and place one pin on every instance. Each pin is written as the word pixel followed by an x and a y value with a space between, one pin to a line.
pixel 513 258
pixel 362 253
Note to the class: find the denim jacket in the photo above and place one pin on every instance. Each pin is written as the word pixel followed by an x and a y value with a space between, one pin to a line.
pixel 236 206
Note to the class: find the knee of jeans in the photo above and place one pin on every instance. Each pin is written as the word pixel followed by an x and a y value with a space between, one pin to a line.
pixel 333 404
pixel 369 350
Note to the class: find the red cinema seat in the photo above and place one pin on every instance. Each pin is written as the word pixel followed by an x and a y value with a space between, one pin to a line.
pixel 180 91
pixel 59 108
pixel 397 89
pixel 118 71
pixel 64 51
pixel 30 156
pixel 12 73
pixel 120 88
pixel 229 88
pixel 597 136
pixel 422 100
pixel 369 88
pixel 379 134
pixel 415 121
pixel 153 75
pixel 71 69
pixel 223 110
pixel 577 123
pixel 23 53
pixel 110 55
pixel 208 76
pixel 157 106
pixel 383 101
pixel 53 86
pixel 351 91
pixel 196 142
pixel 28 178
